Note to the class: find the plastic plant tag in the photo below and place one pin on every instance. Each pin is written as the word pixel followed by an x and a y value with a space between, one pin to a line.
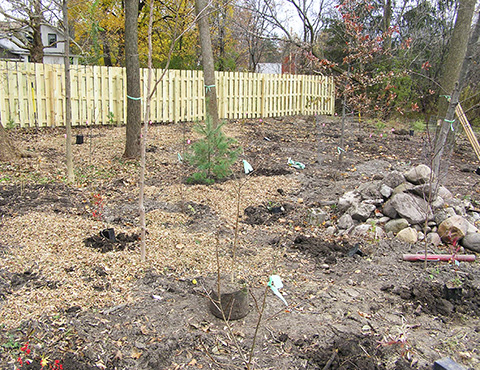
pixel 180 159
pixel 294 164
pixel 247 167
pixel 275 283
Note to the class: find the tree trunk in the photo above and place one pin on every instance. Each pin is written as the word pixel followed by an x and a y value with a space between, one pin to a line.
pixel 207 61
pixel 107 54
pixel 447 124
pixel 456 51
pixel 7 150
pixel 68 102
pixel 36 47
pixel 132 64
pixel 387 19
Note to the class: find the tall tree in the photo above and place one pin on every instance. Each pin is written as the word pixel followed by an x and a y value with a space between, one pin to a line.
pixel 133 127
pixel 99 31
pixel 203 8
pixel 447 123
pixel 456 50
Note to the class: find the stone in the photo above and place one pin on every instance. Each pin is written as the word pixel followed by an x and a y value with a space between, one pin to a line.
pixel 345 221
pixel 408 235
pixel 444 193
pixel 388 210
pixel 330 230
pixel 471 229
pixel 414 209
pixel 383 219
pixel 393 179
pixel 438 203
pixel 425 191
pixel 433 239
pixel 402 188
pixel 419 174
pixel 361 211
pixel 452 228
pixel 368 231
pixel 458 206
pixel 396 225
pixel 348 199
pixel 472 242
pixel 370 190
pixel 316 216
pixel 386 191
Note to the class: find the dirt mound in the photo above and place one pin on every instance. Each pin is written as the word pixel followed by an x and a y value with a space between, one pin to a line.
pixel 442 299
pixel 349 353
pixel 325 251
pixel 107 241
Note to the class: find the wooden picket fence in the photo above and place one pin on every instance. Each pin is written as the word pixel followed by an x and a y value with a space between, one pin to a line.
pixel 33 94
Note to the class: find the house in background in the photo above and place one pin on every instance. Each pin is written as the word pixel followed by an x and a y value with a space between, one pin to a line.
pixel 288 66
pixel 52 39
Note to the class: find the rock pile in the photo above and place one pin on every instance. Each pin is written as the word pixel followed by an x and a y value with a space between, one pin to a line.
pixel 410 206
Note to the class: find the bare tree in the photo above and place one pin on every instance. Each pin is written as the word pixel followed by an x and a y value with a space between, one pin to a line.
pixel 25 18
pixel 254 30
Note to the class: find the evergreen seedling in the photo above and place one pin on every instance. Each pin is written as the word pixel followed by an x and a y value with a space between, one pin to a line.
pixel 212 155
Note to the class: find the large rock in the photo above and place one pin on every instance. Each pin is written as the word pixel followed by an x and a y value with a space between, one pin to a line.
pixel 349 199
pixel 414 209
pixel 408 235
pixel 402 188
pixel 370 190
pixel 393 179
pixel 388 210
pixel 345 221
pixel 361 211
pixel 453 228
pixel 472 242
pixel 419 174
pixel 425 191
pixel 396 226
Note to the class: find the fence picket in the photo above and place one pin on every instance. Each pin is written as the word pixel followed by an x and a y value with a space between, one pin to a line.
pixel 99 95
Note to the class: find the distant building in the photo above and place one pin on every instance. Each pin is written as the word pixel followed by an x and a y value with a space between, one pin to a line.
pixel 272 68
pixel 53 53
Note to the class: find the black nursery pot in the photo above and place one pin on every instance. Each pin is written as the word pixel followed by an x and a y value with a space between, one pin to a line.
pixel 79 139
pixel 412 132
pixel 108 234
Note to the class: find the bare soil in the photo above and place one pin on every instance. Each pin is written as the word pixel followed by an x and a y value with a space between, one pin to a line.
pixel 87 300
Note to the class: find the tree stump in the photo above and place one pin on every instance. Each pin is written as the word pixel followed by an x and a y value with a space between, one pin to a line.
pixel 233 301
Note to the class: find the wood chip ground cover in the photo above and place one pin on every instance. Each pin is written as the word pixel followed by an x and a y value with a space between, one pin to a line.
pixel 52 281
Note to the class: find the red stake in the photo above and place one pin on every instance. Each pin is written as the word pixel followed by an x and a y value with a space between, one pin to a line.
pixel 439 257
